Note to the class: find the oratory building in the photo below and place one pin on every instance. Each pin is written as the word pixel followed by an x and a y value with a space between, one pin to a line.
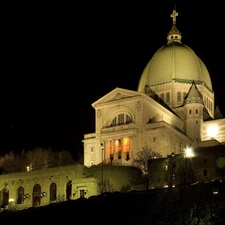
pixel 173 108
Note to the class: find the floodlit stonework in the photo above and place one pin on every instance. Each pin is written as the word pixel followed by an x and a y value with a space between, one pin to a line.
pixel 172 109
pixel 53 185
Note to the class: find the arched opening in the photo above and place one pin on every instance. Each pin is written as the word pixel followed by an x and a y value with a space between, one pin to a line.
pixel 68 190
pixel 36 195
pixel 20 199
pixel 5 201
pixel 52 192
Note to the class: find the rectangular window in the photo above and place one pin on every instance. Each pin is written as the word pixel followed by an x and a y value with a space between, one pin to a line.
pixel 196 111
pixel 81 193
pixel 121 119
pixel 92 149
pixel 119 155
pixel 204 173
pixel 154 139
pixel 126 145
pixel 111 158
pixel 190 111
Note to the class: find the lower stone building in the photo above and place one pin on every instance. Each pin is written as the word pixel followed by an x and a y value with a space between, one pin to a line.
pixel 52 185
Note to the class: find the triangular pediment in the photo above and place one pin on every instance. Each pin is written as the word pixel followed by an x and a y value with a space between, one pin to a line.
pixel 115 95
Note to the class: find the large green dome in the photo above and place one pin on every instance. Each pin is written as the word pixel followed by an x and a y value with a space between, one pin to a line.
pixel 174 61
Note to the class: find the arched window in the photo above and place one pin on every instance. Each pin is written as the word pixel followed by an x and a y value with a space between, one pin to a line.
pixel 36 195
pixel 121 119
pixel 20 199
pixel 68 190
pixel 179 96
pixel 37 188
pixel 5 197
pixel 184 96
pixel 167 97
pixel 162 96
pixel 52 192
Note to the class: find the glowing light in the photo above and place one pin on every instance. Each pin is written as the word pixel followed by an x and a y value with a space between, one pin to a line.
pixel 189 153
pixel 11 200
pixel 212 130
pixel 220 162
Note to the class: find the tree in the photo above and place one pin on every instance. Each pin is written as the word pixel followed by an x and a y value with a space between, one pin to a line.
pixel 11 163
pixel 145 161
pixel 188 204
pixel 63 158
pixel 105 186
pixel 39 158
pixel 184 171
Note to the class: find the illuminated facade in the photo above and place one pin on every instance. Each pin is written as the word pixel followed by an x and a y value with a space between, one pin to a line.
pixel 173 108
pixel 36 188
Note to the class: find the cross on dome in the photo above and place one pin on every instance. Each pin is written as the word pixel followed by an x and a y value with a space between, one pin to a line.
pixel 174 15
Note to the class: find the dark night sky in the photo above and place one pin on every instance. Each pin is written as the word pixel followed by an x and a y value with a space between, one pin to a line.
pixel 59 59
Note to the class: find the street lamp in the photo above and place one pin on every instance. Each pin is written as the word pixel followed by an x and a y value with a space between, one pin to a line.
pixel 102 149
pixel 189 153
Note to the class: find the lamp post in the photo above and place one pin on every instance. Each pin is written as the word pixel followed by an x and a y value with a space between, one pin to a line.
pixel 187 171
pixel 170 169
pixel 102 149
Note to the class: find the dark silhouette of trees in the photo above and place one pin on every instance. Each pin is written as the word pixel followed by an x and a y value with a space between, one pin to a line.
pixel 105 186
pixel 63 158
pixel 145 162
pixel 188 205
pixel 38 158
pixel 11 163
pixel 184 171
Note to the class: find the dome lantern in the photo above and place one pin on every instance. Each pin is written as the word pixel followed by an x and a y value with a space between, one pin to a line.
pixel 174 35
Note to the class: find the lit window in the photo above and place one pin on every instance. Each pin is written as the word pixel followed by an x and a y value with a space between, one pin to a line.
pixel 212 131
pixel 126 145
pixel 118 148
